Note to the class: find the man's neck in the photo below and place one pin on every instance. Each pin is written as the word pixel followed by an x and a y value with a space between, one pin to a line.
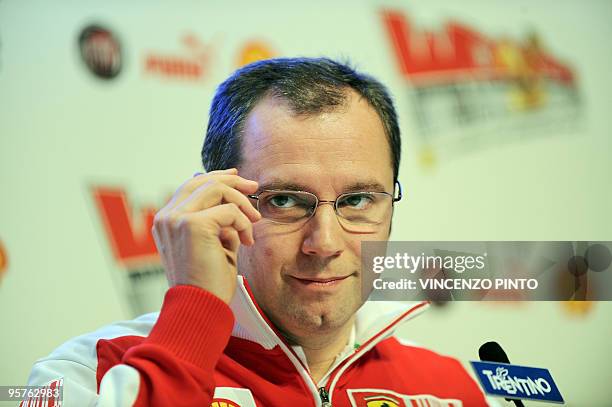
pixel 321 351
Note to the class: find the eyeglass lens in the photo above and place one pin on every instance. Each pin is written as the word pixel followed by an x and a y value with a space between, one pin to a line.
pixel 358 210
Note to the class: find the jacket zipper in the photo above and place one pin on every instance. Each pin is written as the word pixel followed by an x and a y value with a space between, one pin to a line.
pixel 324 394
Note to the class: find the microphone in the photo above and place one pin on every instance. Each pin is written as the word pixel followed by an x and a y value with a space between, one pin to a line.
pixel 493 352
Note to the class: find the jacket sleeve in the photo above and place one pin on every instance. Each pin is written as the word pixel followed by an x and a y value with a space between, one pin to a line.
pixel 174 365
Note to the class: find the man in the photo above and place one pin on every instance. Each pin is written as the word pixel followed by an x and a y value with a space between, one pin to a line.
pixel 262 255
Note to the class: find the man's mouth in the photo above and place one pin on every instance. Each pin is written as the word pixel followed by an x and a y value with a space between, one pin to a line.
pixel 321 282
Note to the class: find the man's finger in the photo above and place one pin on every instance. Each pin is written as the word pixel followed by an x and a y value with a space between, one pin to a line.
pixel 228 215
pixel 163 241
pixel 233 180
pixel 242 184
pixel 229 239
pixel 225 171
pixel 215 193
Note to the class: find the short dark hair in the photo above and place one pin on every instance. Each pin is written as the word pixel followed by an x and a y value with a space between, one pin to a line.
pixel 309 85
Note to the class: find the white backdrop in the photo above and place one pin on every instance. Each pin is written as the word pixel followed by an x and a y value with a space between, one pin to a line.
pixel 521 171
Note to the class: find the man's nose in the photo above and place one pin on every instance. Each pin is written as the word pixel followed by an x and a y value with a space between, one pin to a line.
pixel 323 235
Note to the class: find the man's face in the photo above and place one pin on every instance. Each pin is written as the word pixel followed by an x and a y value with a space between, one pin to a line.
pixel 326 154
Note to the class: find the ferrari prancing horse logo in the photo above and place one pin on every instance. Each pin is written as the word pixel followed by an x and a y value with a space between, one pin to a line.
pixel 388 398
pixel 223 403
pixel 382 401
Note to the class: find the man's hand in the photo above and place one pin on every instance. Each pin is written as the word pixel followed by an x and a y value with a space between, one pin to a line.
pixel 198 232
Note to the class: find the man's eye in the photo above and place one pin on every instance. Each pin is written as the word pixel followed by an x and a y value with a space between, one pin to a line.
pixel 282 201
pixel 357 201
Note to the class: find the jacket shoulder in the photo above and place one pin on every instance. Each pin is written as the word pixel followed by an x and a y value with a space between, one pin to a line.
pixel 80 354
pixel 82 348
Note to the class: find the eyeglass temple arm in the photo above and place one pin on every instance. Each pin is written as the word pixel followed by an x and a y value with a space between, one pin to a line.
pixel 399 191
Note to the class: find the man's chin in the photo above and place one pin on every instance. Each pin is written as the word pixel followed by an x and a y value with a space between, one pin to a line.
pixel 317 317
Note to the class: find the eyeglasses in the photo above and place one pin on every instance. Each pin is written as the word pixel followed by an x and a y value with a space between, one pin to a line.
pixel 357 211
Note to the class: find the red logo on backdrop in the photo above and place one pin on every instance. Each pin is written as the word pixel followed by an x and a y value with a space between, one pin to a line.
pixel 460 50
pixel 470 91
pixel 130 237
pixel 128 231
pixel 3 261
pixel 190 64
pixel 100 51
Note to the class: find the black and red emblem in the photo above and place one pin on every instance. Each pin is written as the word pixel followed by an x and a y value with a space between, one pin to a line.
pixel 101 51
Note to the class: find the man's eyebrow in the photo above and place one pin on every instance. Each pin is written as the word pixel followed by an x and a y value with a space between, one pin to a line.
pixel 369 186
pixel 280 185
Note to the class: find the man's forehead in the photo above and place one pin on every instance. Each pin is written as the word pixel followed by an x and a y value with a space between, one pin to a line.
pixel 341 150
pixel 273 127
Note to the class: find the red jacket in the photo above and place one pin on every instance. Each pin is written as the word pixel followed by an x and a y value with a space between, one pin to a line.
pixel 199 352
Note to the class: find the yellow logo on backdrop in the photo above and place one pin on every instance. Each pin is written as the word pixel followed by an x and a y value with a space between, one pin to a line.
pixel 578 308
pixel 254 51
